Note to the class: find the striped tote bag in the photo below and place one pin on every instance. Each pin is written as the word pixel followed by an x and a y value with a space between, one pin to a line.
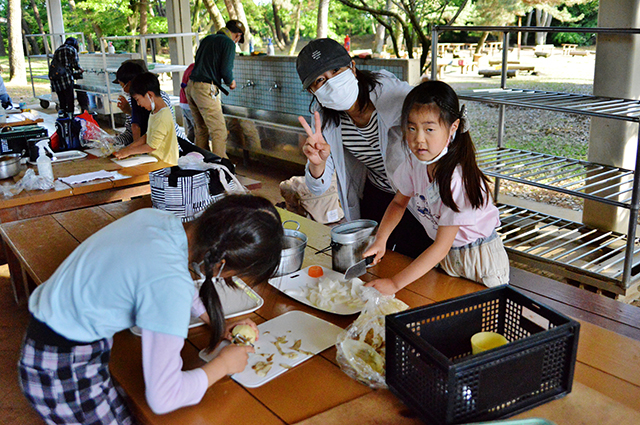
pixel 187 193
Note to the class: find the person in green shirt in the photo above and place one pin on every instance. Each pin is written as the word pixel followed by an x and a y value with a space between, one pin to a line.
pixel 213 66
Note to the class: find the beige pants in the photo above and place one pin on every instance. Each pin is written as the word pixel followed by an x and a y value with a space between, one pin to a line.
pixel 207 116
pixel 484 261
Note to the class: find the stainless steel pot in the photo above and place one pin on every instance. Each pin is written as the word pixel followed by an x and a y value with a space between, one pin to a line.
pixel 349 241
pixel 9 165
pixel 292 255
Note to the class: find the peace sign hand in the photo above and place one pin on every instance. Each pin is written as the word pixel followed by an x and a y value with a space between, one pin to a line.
pixel 315 148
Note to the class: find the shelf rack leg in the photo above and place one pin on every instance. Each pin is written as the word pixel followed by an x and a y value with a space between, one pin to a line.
pixel 633 218
pixel 502 108
pixel 107 81
pixel 434 54
pixel 505 66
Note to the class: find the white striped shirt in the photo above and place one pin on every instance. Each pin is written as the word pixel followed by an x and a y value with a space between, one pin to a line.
pixel 364 144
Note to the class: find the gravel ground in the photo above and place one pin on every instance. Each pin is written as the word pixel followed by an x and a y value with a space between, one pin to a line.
pixel 529 129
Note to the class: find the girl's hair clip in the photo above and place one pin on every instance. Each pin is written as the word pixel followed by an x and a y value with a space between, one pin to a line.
pixel 464 120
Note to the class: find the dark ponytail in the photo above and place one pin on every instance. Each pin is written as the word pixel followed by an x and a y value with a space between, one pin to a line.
pixel 246 232
pixel 440 97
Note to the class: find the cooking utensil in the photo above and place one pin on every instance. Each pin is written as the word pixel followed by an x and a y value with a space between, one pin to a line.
pixel 349 241
pixel 241 340
pixel 359 268
pixel 292 255
pixel 9 165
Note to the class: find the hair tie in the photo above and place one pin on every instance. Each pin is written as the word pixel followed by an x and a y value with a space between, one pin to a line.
pixel 464 120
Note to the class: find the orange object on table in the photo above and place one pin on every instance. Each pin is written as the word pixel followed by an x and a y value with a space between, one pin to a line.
pixel 315 271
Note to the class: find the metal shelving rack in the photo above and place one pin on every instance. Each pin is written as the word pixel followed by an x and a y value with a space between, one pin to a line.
pixel 603 259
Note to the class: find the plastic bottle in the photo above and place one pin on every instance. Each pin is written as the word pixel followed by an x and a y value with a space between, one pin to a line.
pixel 3 115
pixel 347 43
pixel 44 162
pixel 111 49
pixel 251 49
pixel 270 49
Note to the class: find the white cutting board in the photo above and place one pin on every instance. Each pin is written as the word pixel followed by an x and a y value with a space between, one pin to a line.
pixel 316 335
pixel 134 160
pixel 292 283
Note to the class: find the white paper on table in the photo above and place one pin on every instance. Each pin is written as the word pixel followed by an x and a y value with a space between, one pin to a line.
pixel 134 160
pixel 86 177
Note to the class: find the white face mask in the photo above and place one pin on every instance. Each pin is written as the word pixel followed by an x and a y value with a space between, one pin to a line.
pixel 440 155
pixel 153 104
pixel 437 158
pixel 340 92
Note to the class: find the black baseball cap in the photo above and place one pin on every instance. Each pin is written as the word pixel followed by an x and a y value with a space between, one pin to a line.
pixel 73 42
pixel 128 70
pixel 236 26
pixel 318 57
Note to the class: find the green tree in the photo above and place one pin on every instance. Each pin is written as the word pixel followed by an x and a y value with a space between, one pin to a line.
pixel 17 70
pixel 409 20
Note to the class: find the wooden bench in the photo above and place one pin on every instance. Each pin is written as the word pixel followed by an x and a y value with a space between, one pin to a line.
pixel 491 72
pixel 568 48
pixel 543 50
pixel 515 65
pixel 499 62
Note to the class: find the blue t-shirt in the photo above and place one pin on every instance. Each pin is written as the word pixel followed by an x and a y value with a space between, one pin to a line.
pixel 139 116
pixel 134 271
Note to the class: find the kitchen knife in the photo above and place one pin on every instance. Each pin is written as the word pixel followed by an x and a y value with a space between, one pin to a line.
pixel 359 268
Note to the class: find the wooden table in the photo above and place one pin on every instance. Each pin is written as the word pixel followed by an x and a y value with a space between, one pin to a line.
pixel 606 385
pixel 64 197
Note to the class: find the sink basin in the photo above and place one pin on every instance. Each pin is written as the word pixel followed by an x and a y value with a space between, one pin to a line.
pixel 271 118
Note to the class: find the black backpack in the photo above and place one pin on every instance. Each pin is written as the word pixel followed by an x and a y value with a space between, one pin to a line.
pixel 56 69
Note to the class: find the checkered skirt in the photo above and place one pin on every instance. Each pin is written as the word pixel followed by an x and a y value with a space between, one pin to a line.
pixel 72 386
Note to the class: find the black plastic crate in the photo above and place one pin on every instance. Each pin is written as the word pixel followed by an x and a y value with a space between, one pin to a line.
pixel 431 369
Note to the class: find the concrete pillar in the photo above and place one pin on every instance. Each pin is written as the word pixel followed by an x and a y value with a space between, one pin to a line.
pixel 180 49
pixel 617 74
pixel 56 24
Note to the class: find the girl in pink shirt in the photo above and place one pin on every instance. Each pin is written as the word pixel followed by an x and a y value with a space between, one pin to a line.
pixel 451 192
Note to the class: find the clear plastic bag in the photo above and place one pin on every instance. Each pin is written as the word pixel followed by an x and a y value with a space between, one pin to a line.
pixel 195 161
pixel 361 347
pixel 30 181
pixel 93 136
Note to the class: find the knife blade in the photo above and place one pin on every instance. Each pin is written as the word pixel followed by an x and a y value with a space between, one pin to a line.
pixel 359 268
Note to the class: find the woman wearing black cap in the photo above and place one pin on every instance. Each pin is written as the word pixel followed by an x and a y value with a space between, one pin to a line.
pixel 356 133
pixel 66 57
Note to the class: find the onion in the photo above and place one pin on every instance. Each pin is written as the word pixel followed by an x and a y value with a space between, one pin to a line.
pixel 329 293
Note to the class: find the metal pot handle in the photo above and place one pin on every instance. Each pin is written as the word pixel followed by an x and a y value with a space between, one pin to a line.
pixel 323 250
pixel 291 221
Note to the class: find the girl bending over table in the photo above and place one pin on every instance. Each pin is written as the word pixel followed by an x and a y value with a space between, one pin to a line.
pixel 135 271
pixel 451 193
